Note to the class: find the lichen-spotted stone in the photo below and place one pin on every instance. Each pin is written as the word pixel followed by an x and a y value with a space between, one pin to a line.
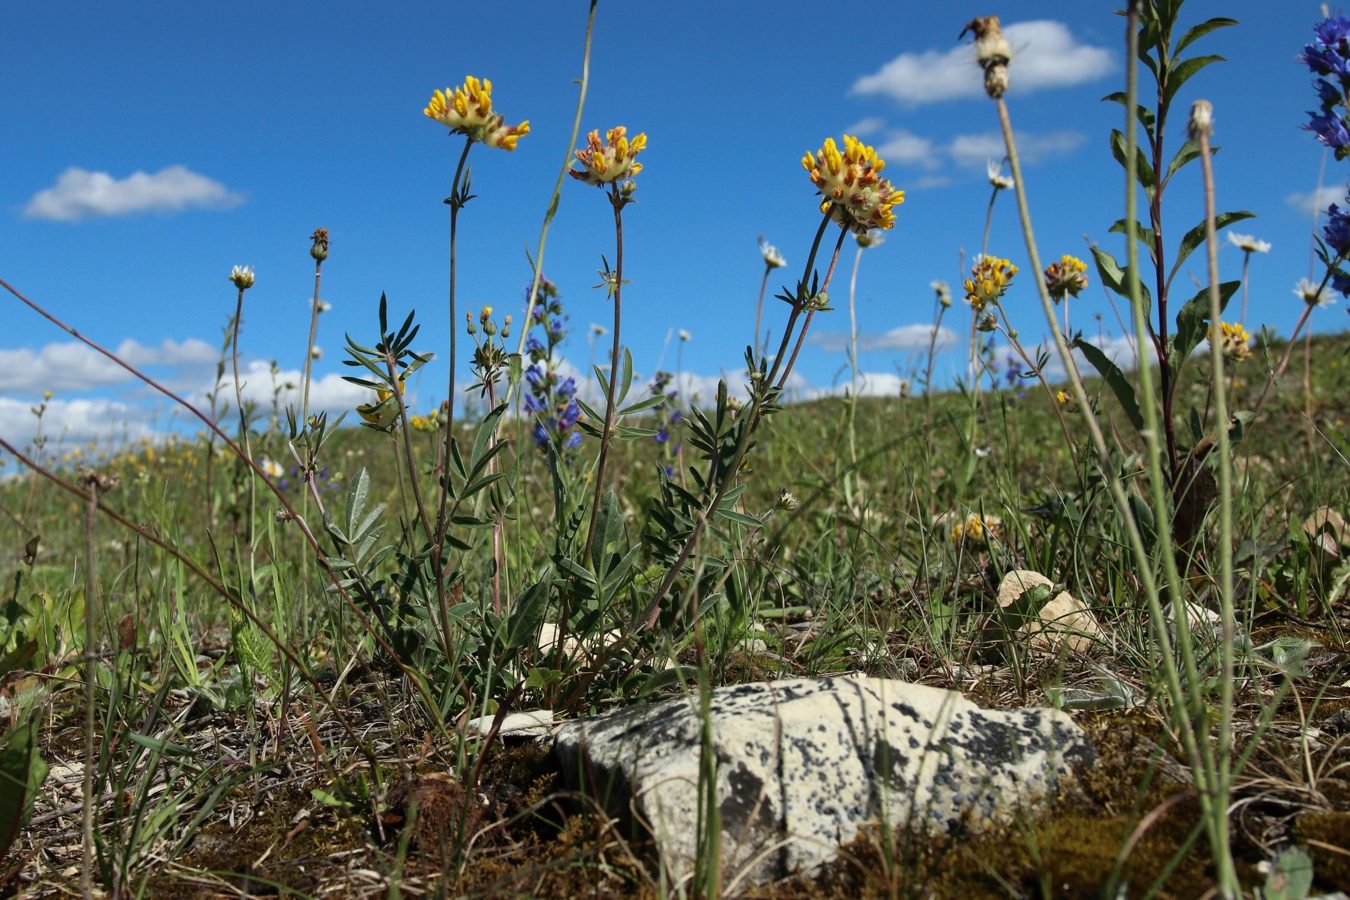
pixel 802 764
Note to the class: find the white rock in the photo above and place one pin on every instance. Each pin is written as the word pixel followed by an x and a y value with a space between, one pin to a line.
pixel 1064 620
pixel 532 724
pixel 802 764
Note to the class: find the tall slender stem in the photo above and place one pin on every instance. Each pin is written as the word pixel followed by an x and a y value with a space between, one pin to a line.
pixel 853 357
pixel 91 617
pixel 584 81
pixel 806 326
pixel 617 201
pixel 1221 787
pixel 243 423
pixel 309 348
pixel 443 472
pixel 759 310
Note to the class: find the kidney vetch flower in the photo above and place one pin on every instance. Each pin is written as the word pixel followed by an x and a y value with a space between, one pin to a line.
pixel 1066 278
pixel 467 110
pixel 610 160
pixel 852 182
pixel 989 279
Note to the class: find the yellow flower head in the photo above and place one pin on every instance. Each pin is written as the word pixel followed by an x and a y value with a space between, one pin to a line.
pixel 1066 278
pixel 1066 401
pixel 467 110
pixel 610 160
pixel 382 414
pixel 852 182
pixel 1236 342
pixel 989 279
pixel 975 527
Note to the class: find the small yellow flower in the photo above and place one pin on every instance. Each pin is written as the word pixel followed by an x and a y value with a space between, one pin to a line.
pixel 1067 401
pixel 989 279
pixel 1066 278
pixel 975 527
pixel 379 413
pixel 1235 341
pixel 852 182
pixel 467 110
pixel 610 160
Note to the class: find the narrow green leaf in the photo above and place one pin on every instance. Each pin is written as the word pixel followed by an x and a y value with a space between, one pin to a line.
pixel 1196 236
pixel 1143 171
pixel 1196 32
pixel 22 771
pixel 1116 380
pixel 357 491
pixel 1181 73
pixel 527 614
pixel 627 384
pixel 1193 322
pixel 642 405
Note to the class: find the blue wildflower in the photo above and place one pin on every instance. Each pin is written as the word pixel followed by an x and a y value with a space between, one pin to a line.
pixel 1337 230
pixel 1330 130
pixel 532 404
pixel 533 345
pixel 567 387
pixel 570 415
pixel 676 417
pixel 573 440
pixel 534 375
pixel 662 436
pixel 1329 94
pixel 540 434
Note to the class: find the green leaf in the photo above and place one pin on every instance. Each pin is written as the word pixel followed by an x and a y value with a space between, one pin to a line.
pixel 483 438
pixel 1144 114
pixel 1182 73
pixel 1185 153
pixel 1116 380
pixel 1146 236
pixel 357 492
pixel 22 771
pixel 1143 171
pixel 1196 236
pixel 1115 277
pixel 1193 322
pixel 740 518
pixel 1196 32
pixel 642 405
pixel 527 614
pixel 608 528
pixel 16 658
pixel 627 383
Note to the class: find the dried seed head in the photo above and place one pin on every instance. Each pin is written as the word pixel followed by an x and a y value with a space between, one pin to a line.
pixel 1202 119
pixel 992 52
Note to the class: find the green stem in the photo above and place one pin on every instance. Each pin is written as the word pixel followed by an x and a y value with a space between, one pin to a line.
pixel 557 194
pixel 607 436
pixel 1219 842
pixel 243 427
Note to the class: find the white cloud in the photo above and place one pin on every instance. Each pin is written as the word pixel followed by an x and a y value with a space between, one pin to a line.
pixel 76 421
pixel 72 366
pixel 1047 56
pixel 973 151
pixel 904 337
pixel 80 194
pixel 905 149
pixel 870 384
pixel 1317 200
pixel 869 125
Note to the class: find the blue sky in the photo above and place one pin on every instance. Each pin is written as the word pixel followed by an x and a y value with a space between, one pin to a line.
pixel 152 147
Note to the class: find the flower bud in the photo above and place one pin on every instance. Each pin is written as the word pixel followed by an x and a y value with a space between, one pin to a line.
pixel 319 250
